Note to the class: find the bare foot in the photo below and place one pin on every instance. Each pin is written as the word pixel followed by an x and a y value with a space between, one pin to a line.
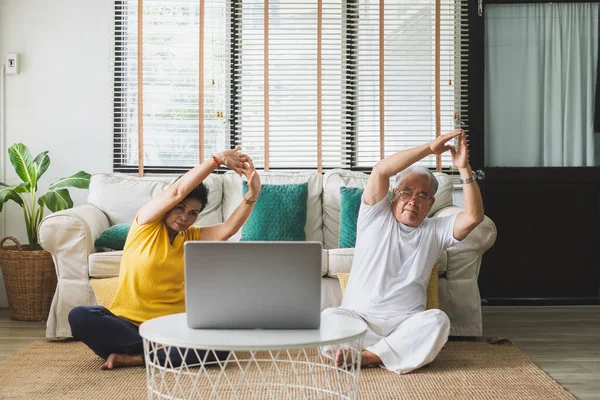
pixel 123 360
pixel 367 359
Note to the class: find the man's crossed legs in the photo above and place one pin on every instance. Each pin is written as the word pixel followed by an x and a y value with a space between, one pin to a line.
pixel 401 344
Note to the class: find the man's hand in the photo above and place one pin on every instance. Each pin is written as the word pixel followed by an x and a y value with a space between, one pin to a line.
pixel 460 156
pixel 439 145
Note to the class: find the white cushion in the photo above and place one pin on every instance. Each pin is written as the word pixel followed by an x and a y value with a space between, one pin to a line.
pixel 332 182
pixel 105 264
pixel 340 260
pixel 232 197
pixel 120 196
pixel 443 196
pixel 213 212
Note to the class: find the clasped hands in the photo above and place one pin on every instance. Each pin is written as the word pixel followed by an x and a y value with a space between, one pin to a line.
pixel 460 155
pixel 242 164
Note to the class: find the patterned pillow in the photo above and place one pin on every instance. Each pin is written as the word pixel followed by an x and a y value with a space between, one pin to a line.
pixel 105 290
pixel 433 288
pixel 279 213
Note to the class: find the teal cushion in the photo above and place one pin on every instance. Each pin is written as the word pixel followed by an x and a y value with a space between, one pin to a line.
pixel 350 199
pixel 114 237
pixel 279 213
pixel 349 206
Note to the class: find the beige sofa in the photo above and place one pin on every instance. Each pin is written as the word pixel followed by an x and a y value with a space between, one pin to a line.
pixel 115 198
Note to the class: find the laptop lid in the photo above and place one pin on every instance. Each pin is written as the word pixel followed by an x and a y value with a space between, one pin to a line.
pixel 253 285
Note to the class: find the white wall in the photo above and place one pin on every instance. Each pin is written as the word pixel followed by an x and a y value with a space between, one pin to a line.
pixel 61 101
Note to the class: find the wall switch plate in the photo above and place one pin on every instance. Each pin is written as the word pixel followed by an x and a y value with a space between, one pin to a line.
pixel 12 64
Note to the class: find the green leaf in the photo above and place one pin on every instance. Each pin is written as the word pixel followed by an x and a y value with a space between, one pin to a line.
pixel 41 163
pixel 56 200
pixel 10 193
pixel 20 157
pixel 21 188
pixel 80 180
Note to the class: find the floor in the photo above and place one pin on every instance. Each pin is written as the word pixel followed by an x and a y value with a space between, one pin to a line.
pixel 563 341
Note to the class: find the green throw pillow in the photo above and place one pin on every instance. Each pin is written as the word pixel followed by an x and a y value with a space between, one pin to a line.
pixel 349 206
pixel 350 198
pixel 114 237
pixel 278 215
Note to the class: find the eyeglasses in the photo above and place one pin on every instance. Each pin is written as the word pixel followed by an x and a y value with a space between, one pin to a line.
pixel 406 196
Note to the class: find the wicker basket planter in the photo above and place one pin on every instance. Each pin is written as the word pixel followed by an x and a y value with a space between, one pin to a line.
pixel 30 280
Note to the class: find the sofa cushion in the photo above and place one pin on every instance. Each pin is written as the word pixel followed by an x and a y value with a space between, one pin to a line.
pixel 105 290
pixel 349 206
pixel 114 237
pixel 104 264
pixel 120 196
pixel 433 289
pixel 232 197
pixel 279 213
pixel 335 179
pixel 340 260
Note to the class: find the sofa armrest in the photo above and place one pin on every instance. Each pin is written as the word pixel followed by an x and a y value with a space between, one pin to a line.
pixel 459 290
pixel 69 236
pixel 480 239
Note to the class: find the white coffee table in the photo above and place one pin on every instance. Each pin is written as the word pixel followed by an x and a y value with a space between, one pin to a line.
pixel 263 364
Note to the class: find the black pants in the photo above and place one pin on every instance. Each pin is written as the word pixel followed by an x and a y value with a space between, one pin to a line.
pixel 105 333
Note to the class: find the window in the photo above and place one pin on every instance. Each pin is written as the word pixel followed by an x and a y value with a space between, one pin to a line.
pixel 337 95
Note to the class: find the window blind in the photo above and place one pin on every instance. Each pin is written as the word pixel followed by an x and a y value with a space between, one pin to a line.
pixel 298 84
pixel 171 50
pixel 409 69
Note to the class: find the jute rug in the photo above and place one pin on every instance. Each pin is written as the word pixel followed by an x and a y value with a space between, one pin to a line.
pixel 463 370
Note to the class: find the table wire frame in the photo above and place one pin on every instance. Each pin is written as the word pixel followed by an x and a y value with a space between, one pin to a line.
pixel 307 373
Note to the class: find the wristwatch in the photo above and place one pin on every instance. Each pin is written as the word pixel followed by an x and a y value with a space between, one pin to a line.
pixel 472 178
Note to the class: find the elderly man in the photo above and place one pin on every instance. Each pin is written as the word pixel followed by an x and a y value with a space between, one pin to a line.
pixel 396 248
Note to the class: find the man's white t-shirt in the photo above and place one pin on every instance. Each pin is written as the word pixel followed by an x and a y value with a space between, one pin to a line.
pixel 392 262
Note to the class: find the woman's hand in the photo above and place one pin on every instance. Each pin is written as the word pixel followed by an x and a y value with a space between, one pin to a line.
pixel 234 160
pixel 254 185
pixel 439 145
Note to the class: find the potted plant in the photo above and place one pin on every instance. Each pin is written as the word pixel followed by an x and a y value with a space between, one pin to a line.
pixel 28 271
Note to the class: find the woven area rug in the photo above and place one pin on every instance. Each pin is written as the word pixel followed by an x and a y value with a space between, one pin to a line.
pixel 463 370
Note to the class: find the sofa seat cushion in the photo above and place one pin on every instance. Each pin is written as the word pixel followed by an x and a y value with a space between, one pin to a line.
pixel 335 179
pixel 104 264
pixel 340 261
pixel 232 197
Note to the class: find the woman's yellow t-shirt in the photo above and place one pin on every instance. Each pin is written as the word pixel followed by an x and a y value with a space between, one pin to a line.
pixel 151 278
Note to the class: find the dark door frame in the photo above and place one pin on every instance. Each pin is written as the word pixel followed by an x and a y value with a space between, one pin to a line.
pixel 476 93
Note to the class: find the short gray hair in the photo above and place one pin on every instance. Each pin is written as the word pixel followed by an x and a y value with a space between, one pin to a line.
pixel 415 169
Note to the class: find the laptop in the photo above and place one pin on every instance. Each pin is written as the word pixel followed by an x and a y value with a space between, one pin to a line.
pixel 253 285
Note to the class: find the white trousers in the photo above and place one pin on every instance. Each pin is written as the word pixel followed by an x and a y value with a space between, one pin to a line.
pixel 406 342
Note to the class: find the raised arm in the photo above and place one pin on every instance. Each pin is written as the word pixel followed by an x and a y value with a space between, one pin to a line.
pixel 472 213
pixel 379 180
pixel 239 216
pixel 174 194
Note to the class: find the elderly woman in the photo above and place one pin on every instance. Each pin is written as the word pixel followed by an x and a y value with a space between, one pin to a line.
pixel 151 278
